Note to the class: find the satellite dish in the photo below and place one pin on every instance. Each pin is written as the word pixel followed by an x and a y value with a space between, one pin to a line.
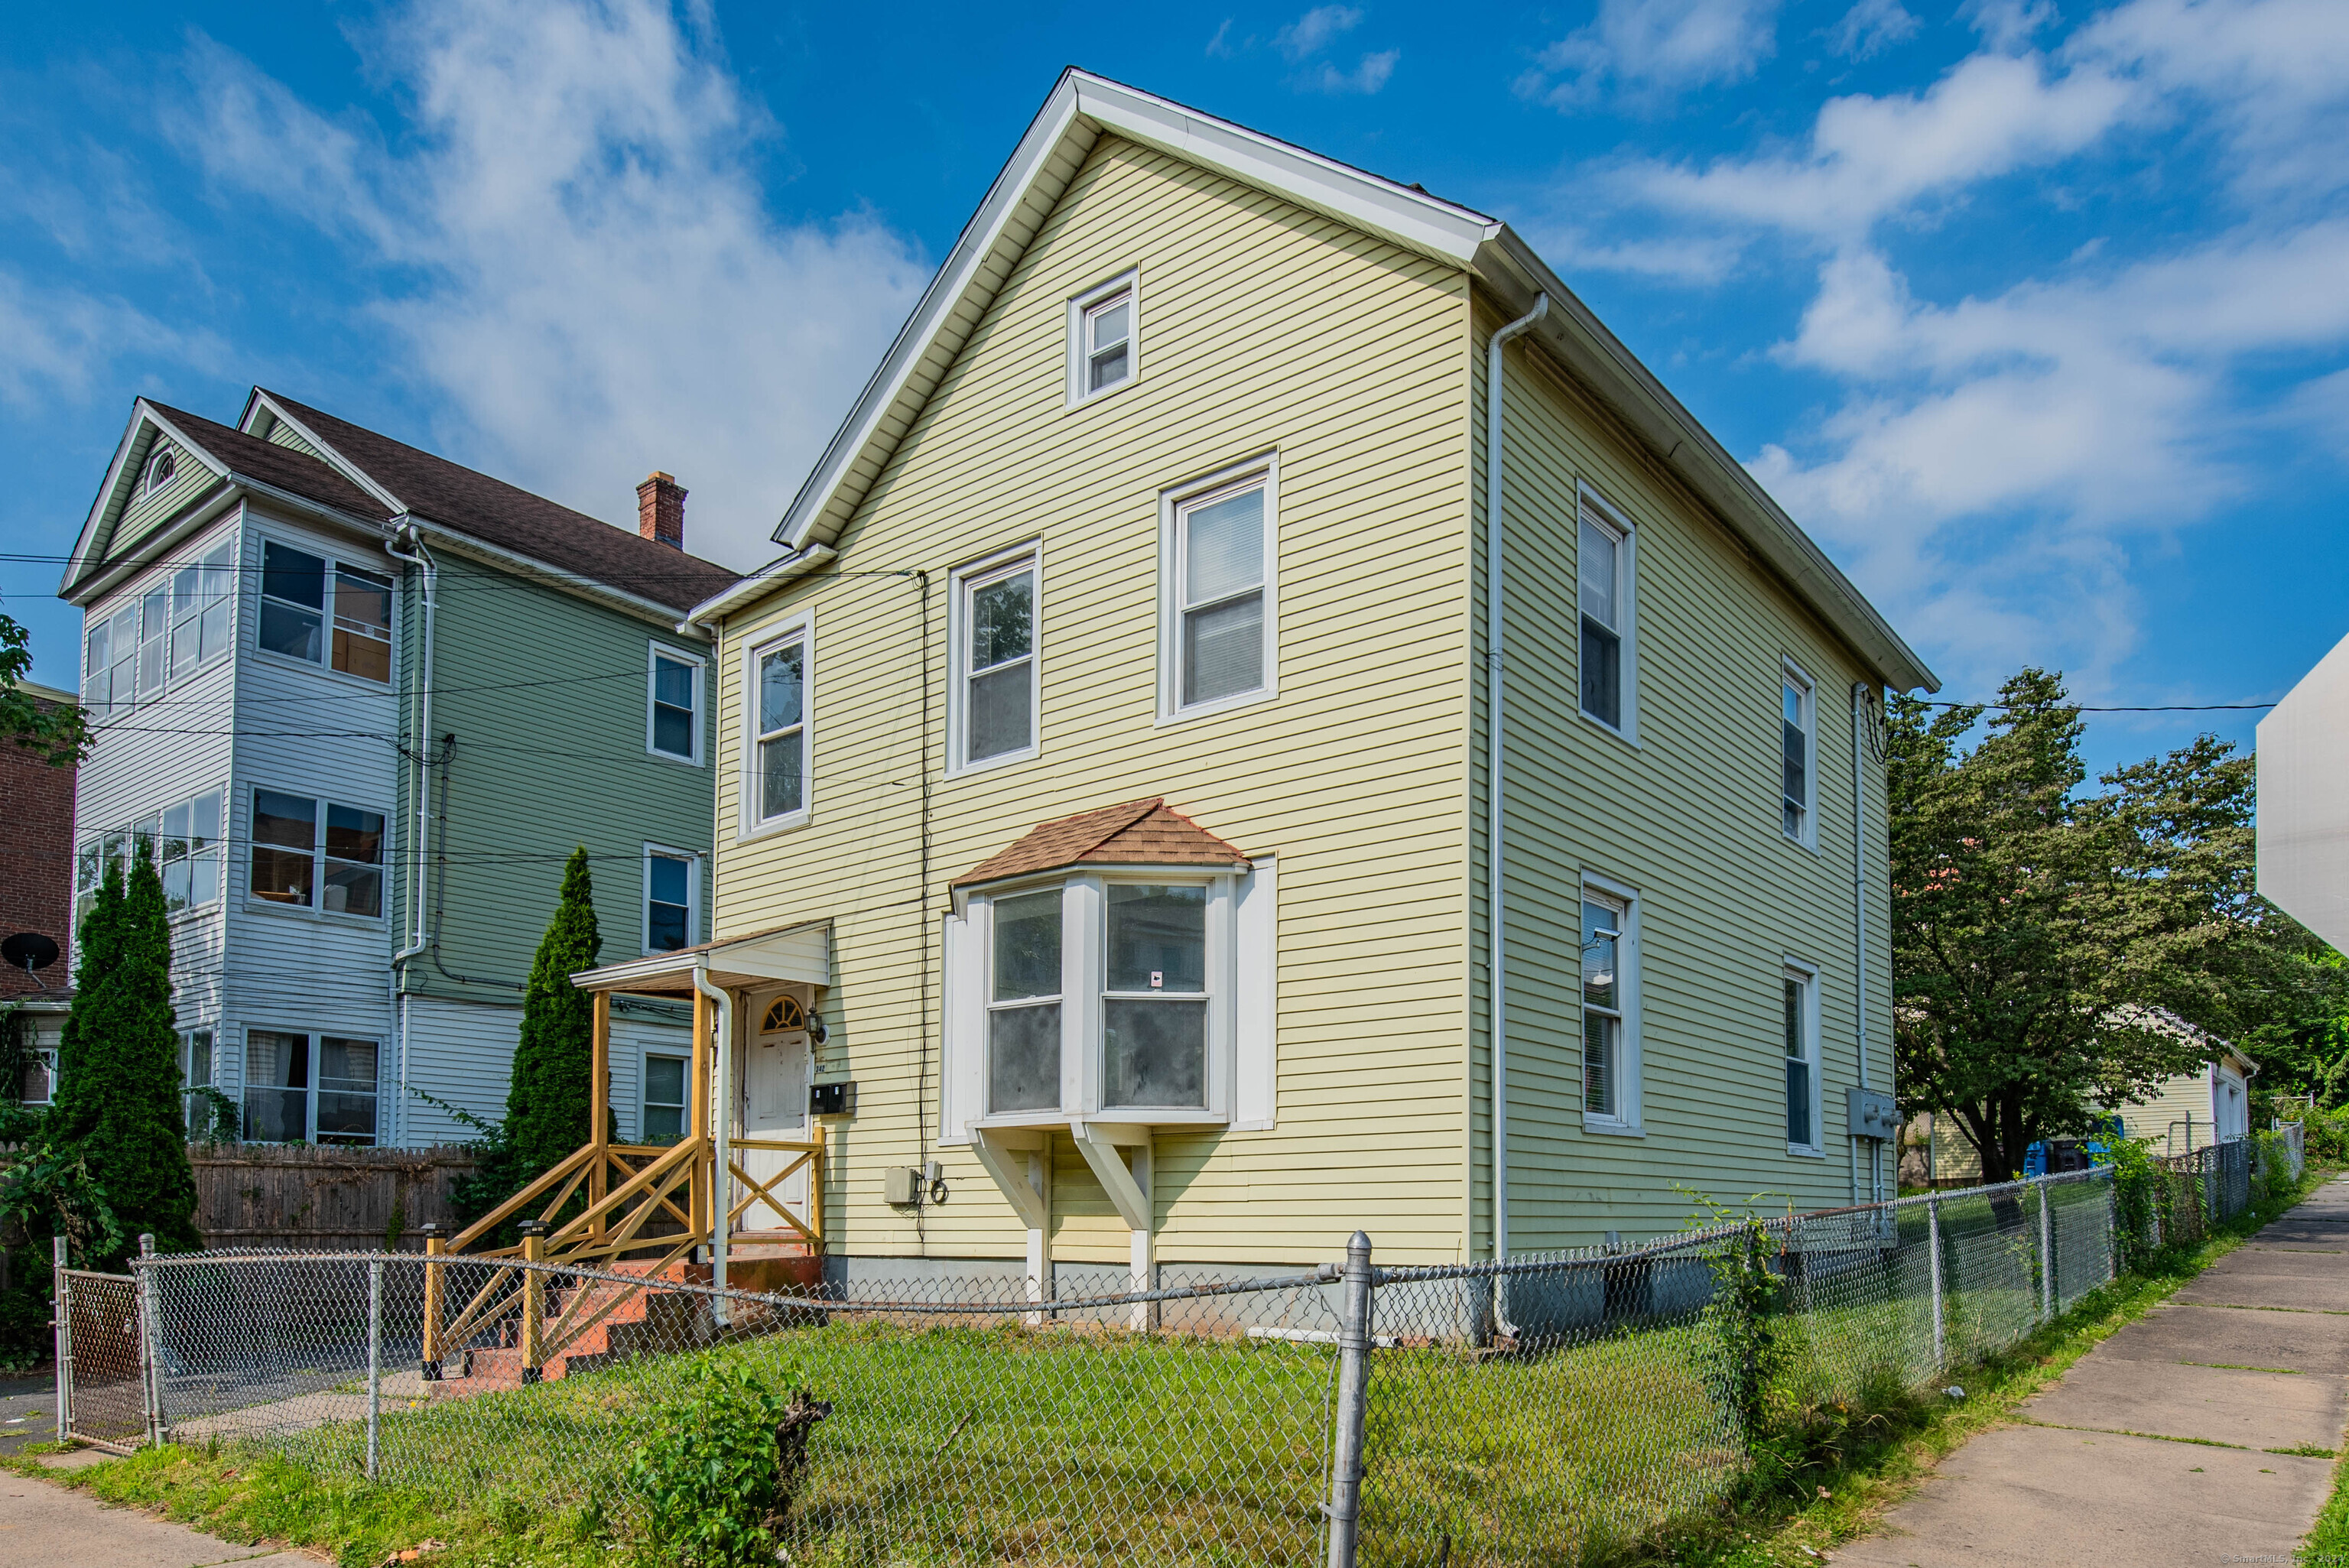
pixel 28 950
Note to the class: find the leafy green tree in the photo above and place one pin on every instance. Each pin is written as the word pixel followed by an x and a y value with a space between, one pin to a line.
pixel 2030 917
pixel 118 1097
pixel 60 733
pixel 546 1108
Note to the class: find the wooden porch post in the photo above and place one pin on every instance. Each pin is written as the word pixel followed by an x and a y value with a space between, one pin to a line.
pixel 599 1104
pixel 702 1196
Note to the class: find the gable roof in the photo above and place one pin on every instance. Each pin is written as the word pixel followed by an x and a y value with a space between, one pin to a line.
pixel 229 455
pixel 1135 833
pixel 1081 109
pixel 490 510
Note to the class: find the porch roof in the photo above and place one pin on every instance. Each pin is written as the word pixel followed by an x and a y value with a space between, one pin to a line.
pixel 1136 833
pixel 799 952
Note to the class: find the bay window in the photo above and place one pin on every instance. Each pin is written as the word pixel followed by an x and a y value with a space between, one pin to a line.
pixel 1139 996
pixel 310 853
pixel 184 839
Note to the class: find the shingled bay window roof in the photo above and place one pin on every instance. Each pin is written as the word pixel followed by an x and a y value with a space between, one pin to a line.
pixel 1136 833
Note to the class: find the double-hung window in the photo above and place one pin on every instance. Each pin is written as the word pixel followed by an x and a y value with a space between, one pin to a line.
pixel 154 640
pixel 994 702
pixel 308 1089
pixel 184 839
pixel 1218 638
pixel 778 744
pixel 1795 774
pixel 673 715
pixel 1799 993
pixel 1603 556
pixel 1603 995
pixel 1105 338
pixel 309 853
pixel 201 599
pixel 661 1113
pixel 111 663
pixel 1155 1002
pixel 198 1113
pixel 1023 1008
pixel 325 613
pixel 672 896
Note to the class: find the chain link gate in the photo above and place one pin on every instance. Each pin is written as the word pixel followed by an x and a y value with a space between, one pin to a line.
pixel 105 1390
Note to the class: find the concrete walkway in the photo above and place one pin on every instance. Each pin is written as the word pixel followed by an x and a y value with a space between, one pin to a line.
pixel 2157 1445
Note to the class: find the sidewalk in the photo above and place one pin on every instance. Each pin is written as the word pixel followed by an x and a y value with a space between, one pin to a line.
pixel 2250 1357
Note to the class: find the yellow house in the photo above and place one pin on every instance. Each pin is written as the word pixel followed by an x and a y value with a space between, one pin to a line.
pixel 1103 867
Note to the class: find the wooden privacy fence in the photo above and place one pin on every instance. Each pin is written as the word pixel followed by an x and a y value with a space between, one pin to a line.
pixel 324 1198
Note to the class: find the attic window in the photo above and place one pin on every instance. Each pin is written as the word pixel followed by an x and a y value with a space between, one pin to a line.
pixel 161 466
pixel 1105 338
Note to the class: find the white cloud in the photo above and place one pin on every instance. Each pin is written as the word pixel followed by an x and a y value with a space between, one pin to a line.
pixel 61 341
pixel 2008 26
pixel 1316 30
pixel 579 260
pixel 1870 27
pixel 1651 49
pixel 1368 77
pixel 1869 157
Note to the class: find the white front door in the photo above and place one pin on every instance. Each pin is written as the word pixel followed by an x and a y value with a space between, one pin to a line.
pixel 777 1068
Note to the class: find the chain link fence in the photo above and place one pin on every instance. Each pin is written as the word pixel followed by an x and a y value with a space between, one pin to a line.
pixel 1537 1410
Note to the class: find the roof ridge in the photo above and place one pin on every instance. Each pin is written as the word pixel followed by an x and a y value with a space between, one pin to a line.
pixel 1141 808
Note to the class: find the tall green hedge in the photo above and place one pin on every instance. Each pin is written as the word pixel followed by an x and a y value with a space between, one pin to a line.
pixel 546 1108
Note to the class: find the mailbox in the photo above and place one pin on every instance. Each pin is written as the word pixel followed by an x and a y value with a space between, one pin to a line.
pixel 832 1099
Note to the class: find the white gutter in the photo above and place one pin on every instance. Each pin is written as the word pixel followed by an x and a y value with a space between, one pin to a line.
pixel 1860 914
pixel 721 1129
pixel 418 556
pixel 1495 886
pixel 772 575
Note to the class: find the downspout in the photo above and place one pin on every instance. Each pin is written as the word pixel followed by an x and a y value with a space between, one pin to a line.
pixel 1860 920
pixel 1495 913
pixel 721 1129
pixel 416 555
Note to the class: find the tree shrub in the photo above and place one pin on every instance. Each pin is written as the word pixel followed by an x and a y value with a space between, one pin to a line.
pixel 718 1467
pixel 546 1108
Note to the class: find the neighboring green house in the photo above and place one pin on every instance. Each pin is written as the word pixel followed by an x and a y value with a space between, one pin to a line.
pixel 364 701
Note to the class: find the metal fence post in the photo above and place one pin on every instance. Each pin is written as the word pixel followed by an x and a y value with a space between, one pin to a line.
pixel 151 1354
pixel 1933 1243
pixel 375 1363
pixel 2047 1256
pixel 1345 1505
pixel 61 1298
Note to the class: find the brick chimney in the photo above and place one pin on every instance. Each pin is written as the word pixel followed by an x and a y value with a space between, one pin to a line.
pixel 660 511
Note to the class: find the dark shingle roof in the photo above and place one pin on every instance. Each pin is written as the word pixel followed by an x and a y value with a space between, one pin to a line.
pixel 272 464
pixel 504 515
pixel 1137 834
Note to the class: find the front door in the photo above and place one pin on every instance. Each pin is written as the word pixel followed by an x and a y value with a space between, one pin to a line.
pixel 776 1071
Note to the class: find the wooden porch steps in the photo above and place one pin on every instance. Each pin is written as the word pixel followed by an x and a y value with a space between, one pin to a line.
pixel 640 1321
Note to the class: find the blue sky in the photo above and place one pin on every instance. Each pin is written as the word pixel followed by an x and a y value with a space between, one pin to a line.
pixel 2037 317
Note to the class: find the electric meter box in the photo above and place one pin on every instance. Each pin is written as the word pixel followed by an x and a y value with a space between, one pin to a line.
pixel 1872 1114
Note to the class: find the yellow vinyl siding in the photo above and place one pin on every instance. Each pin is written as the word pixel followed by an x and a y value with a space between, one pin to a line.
pixel 1690 818
pixel 1264 327
pixel 2170 1103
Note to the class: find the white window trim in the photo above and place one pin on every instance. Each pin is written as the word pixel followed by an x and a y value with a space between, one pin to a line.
pixel 692 894
pixel 1794 673
pixel 1613 518
pixel 1170 500
pixel 316 909
pixel 1230 1103
pixel 129 600
pixel 653 657
pixel 310 1091
pixel 148 483
pixel 683 1103
pixel 749 823
pixel 1130 282
pixel 1627 1123
pixel 1808 973
pixel 324 666
pixel 977 574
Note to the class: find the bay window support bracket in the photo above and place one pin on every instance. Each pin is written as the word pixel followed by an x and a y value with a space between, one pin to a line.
pixel 1102 1144
pixel 1021 1164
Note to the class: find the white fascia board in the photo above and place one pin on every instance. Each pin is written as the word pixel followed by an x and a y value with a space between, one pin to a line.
pixel 441 536
pixel 1080 108
pixel 1595 356
pixel 756 586
pixel 334 459
pixel 1411 218
pixel 142 413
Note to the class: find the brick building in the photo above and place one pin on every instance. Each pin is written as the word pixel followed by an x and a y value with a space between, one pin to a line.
pixel 36 803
